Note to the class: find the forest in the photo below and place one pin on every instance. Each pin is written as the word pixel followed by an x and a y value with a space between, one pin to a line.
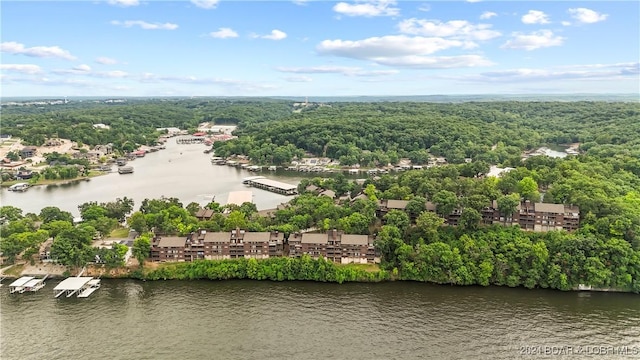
pixel 603 181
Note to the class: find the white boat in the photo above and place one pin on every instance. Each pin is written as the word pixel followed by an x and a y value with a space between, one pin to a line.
pixel 19 187
pixel 272 168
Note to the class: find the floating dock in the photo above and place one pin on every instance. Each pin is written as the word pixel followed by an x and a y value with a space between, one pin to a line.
pixel 261 182
pixel 83 286
pixel 26 283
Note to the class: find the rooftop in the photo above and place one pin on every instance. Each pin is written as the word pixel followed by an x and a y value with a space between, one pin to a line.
pixel 308 238
pixel 349 239
pixel 275 184
pixel 73 283
pixel 217 237
pixel 172 241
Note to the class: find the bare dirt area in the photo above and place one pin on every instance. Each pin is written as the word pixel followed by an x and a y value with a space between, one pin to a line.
pixel 62 146
pixel 39 269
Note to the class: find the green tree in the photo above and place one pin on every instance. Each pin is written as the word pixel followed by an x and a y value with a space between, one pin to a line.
pixel 52 213
pixel 141 248
pixel 528 189
pixel 397 218
pixel 446 201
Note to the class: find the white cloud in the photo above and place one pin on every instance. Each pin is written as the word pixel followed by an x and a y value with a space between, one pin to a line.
pixel 205 4
pixel 435 62
pixel 403 51
pixel 106 61
pixel 115 74
pixel 344 70
pixel 575 72
pixel 367 8
pixel 299 78
pixel 145 25
pixel 274 35
pixel 12 47
pixel 566 23
pixel 124 3
pixel 587 16
pixel 535 17
pixel 487 15
pixel 424 7
pixel 224 33
pixel 534 40
pixel 21 68
pixel 460 29
pixel 386 46
pixel 300 2
pixel 473 1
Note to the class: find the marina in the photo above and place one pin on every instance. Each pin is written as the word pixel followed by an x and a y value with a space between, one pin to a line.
pixel 82 286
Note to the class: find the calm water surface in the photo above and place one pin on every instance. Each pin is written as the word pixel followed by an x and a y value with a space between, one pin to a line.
pixel 181 171
pixel 128 319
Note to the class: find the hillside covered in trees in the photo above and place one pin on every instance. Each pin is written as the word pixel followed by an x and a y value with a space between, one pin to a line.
pixel 603 181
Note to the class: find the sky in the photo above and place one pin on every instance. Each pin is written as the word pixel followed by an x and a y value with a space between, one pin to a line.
pixel 318 48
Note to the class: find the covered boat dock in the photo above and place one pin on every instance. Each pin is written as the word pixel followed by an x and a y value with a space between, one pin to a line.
pixel 83 286
pixel 271 185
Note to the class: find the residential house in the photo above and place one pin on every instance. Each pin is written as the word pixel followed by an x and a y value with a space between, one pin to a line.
pixel 28 151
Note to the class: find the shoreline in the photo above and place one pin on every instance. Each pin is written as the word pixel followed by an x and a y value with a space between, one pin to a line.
pixel 7 184
pixel 130 273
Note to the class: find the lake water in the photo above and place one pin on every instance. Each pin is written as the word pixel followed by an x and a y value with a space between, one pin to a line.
pixel 128 319
pixel 181 171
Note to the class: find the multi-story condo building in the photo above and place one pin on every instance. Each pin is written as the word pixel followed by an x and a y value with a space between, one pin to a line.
pixel 335 246
pixel 529 216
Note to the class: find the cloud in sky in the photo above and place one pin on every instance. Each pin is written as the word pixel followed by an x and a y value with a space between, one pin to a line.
pixel 535 17
pixel 106 61
pixel 534 40
pixel 224 33
pixel 13 47
pixel 386 46
pixel 457 29
pixel 403 51
pixel 274 35
pixel 145 25
pixel 124 3
pixel 344 70
pixel 367 8
pixel 587 16
pixel 29 69
pixel 205 4
pixel 487 15
pixel 298 78
pixel 575 72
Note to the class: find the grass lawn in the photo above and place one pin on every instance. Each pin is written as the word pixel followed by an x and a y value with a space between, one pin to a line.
pixel 15 270
pixel 119 233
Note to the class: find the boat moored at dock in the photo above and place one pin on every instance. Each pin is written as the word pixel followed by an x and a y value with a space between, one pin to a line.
pixel 125 170
pixel 19 187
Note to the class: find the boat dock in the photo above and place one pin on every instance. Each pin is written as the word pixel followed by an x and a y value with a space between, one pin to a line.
pixel 26 283
pixel 83 286
pixel 261 182
pixel 190 140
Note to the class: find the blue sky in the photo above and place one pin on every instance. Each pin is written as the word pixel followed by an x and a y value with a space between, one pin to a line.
pixel 318 48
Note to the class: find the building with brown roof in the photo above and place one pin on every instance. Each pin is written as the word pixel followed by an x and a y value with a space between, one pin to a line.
pixel 335 246
pixel 168 249
pixel 204 245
